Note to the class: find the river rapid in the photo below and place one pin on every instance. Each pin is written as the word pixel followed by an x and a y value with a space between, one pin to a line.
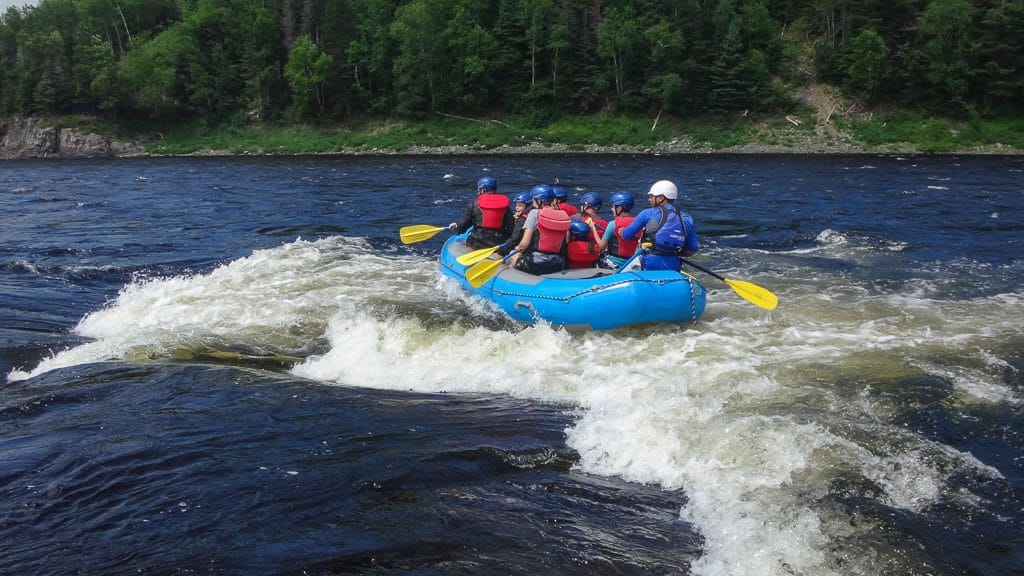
pixel 233 366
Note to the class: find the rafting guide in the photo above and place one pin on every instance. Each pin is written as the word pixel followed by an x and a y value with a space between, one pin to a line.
pixel 670 233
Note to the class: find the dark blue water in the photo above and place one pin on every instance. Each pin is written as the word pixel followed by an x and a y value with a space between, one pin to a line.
pixel 233 366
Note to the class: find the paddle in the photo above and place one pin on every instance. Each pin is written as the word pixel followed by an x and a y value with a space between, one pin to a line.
pixel 477 255
pixel 478 274
pixel 750 292
pixel 419 233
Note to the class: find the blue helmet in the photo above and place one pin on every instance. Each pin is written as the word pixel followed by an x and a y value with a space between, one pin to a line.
pixel 579 230
pixel 543 193
pixel 560 193
pixel 624 199
pixel 522 197
pixel 487 184
pixel 592 199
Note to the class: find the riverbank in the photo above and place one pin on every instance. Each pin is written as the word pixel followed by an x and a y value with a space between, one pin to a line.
pixel 811 132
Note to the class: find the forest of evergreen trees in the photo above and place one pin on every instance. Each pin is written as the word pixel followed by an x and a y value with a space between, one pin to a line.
pixel 331 60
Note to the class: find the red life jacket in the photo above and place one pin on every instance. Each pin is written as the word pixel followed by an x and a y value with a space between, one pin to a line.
pixel 568 208
pixel 624 248
pixel 493 207
pixel 582 254
pixel 551 225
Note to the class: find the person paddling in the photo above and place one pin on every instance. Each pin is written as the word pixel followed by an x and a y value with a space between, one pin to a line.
pixel 489 215
pixel 670 232
pixel 544 233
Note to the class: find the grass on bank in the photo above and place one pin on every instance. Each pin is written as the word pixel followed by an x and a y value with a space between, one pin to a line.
pixel 576 133
pixel 939 135
pixel 897 129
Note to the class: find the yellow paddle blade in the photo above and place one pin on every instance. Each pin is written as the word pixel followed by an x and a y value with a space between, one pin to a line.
pixel 754 294
pixel 475 256
pixel 479 274
pixel 418 233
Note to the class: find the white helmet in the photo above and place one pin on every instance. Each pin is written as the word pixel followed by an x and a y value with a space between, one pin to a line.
pixel 664 188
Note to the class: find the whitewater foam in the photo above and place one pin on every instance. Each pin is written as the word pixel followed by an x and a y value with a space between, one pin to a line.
pixel 753 417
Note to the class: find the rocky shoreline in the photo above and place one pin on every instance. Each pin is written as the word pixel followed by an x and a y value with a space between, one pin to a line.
pixel 29 138
pixel 24 138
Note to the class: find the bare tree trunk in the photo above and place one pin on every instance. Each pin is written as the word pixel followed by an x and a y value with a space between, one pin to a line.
pixel 617 65
pixel 287 24
pixel 830 27
pixel 554 71
pixel 308 24
pixel 533 65
pixel 844 23
pixel 125 22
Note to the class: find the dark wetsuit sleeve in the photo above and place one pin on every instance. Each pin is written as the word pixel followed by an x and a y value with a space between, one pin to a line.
pixel 507 224
pixel 468 217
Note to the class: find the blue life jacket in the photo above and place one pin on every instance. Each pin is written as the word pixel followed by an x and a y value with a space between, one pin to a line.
pixel 668 236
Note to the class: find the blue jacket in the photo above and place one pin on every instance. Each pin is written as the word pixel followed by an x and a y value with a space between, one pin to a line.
pixel 649 221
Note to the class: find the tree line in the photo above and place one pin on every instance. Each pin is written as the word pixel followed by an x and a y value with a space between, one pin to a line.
pixel 332 60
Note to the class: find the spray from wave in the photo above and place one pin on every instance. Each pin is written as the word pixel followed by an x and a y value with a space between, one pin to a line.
pixel 765 422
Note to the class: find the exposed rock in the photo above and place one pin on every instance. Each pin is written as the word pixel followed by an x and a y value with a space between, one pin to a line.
pixel 32 138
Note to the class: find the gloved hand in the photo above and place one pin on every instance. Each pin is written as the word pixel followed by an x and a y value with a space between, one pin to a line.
pixel 504 250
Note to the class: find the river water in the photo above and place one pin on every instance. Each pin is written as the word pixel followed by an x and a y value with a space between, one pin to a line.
pixel 233 366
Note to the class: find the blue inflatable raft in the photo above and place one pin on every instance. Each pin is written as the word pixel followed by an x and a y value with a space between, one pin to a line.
pixel 589 298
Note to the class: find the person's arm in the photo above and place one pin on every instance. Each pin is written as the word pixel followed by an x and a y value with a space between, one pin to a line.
pixel 525 241
pixel 691 236
pixel 528 227
pixel 609 232
pixel 468 215
pixel 638 225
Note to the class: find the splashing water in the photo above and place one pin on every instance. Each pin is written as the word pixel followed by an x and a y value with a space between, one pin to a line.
pixel 756 417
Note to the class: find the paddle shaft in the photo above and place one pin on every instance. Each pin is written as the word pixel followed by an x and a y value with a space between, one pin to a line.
pixel 478 255
pixel 479 274
pixel 702 269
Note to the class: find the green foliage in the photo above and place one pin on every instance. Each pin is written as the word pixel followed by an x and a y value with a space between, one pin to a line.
pixel 575 132
pixel 238 61
pixel 618 41
pixel 369 54
pixel 419 66
pixel 717 135
pixel 930 134
pixel 1001 51
pixel 306 72
pixel 867 64
pixel 762 33
pixel 149 74
pixel 945 58
pixel 730 82
pixel 668 91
